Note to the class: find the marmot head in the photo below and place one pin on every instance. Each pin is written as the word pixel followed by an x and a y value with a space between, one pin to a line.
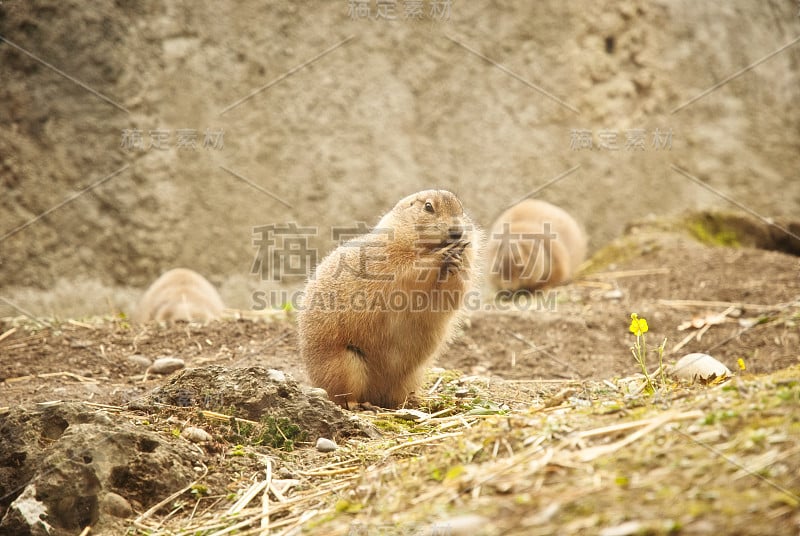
pixel 437 216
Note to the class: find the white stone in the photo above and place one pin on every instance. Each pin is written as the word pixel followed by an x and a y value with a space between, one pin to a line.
pixel 196 435
pixel 166 365
pixel 699 366
pixel 32 510
pixel 276 375
pixel 326 445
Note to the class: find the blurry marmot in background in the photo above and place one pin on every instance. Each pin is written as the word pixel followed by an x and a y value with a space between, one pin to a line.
pixel 180 295
pixel 534 244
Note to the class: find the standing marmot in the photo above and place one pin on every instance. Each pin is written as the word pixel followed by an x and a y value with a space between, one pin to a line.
pixel 382 305
pixel 180 295
pixel 534 244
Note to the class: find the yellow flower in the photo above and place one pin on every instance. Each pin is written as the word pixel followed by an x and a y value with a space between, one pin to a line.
pixel 638 325
pixel 742 366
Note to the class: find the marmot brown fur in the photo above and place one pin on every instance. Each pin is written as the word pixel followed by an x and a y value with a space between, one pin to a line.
pixel 382 305
pixel 180 295
pixel 534 244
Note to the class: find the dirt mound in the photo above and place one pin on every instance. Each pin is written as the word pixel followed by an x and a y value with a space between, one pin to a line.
pixel 256 393
pixel 65 466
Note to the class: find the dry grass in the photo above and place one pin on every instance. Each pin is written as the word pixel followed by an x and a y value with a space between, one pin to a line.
pixel 533 458
pixel 484 456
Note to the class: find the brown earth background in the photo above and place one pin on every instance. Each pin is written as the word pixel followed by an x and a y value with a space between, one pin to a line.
pixel 328 120
pixel 394 107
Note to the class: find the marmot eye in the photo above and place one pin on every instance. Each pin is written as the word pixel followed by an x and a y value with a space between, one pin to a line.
pixel 429 207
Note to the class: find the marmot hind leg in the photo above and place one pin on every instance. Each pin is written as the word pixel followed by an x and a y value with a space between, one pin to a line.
pixel 345 378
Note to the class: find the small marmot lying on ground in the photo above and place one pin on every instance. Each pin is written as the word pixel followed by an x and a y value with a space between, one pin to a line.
pixel 382 305
pixel 532 245
pixel 180 295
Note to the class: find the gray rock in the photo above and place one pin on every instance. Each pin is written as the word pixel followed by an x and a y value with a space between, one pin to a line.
pixel 166 365
pixel 326 445
pixel 69 476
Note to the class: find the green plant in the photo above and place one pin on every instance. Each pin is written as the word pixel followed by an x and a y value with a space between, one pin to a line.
pixel 639 350
pixel 279 433
pixel 703 233
pixel 199 490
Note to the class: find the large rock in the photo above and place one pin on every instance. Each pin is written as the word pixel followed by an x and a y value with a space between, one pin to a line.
pixel 59 464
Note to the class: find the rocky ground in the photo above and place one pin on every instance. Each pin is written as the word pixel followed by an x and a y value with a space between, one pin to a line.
pixel 97 433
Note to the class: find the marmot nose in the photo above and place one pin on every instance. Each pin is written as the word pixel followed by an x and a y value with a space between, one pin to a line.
pixel 456 233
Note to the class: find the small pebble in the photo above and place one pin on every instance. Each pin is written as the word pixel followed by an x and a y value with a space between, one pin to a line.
pixel 116 505
pixel 615 294
pixel 196 435
pixel 326 445
pixel 285 474
pixel 166 365
pixel 699 366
